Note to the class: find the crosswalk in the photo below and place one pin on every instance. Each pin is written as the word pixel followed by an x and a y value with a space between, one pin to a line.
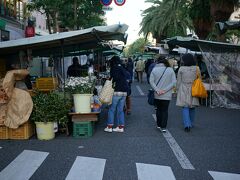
pixel 24 165
pixel 90 168
pixel 87 168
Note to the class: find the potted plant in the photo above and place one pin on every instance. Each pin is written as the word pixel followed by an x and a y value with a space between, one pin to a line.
pixel 82 90
pixel 47 109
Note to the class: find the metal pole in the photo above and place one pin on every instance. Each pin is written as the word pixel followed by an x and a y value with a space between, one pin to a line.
pixel 63 64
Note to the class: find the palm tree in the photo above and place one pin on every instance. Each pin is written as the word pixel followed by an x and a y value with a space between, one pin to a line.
pixel 222 9
pixel 205 12
pixel 165 19
pixel 201 17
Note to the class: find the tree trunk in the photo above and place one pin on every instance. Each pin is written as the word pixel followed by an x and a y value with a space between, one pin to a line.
pixel 48 23
pixel 202 27
pixel 56 22
pixel 75 14
pixel 221 10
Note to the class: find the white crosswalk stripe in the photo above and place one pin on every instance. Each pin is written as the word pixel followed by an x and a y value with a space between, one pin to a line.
pixel 223 176
pixel 24 165
pixel 87 168
pixel 154 172
pixel 140 90
pixel 0 147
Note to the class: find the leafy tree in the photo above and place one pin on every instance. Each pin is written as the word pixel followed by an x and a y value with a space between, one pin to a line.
pixel 201 17
pixel 233 36
pixel 82 14
pixel 51 9
pixel 77 14
pixel 165 19
pixel 137 46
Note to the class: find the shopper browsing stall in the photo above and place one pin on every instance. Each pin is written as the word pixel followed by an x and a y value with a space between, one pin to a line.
pixel 118 75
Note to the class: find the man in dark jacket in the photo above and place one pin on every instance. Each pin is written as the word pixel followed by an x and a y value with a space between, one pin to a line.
pixel 75 69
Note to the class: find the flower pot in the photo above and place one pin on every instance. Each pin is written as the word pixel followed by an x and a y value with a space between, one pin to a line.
pixel 45 131
pixel 82 103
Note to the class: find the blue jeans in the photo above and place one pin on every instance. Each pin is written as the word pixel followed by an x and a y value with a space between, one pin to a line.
pixel 188 116
pixel 117 105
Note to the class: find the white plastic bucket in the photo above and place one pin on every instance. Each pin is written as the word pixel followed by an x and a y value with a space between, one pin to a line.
pixel 82 103
pixel 45 131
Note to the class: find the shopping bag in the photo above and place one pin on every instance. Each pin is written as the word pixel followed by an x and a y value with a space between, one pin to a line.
pixel 106 93
pixel 198 89
pixel 151 97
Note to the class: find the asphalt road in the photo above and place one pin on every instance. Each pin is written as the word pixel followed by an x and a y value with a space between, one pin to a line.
pixel 141 152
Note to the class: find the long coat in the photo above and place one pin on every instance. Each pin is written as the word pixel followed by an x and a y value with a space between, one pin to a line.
pixel 186 76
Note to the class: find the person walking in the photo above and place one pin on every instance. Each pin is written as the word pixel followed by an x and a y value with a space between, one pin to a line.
pixel 187 73
pixel 147 64
pixel 162 80
pixel 118 75
pixel 129 67
pixel 139 69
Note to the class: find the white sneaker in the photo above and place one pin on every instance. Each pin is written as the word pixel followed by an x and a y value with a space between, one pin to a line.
pixel 117 129
pixel 107 129
pixel 164 130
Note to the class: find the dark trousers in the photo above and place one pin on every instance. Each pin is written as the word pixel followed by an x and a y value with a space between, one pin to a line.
pixel 162 112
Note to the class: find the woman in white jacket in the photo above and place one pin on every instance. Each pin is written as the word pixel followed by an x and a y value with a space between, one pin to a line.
pixel 162 80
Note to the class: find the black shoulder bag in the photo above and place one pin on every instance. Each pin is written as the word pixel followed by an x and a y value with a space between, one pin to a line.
pixel 151 92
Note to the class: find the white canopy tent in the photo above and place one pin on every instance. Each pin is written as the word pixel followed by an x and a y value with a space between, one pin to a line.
pixel 74 40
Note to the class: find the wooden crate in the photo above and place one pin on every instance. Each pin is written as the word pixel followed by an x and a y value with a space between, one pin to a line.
pixel 77 117
pixel 24 131
pixel 3 132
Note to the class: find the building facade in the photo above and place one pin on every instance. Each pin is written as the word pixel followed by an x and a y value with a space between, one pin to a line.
pixel 14 19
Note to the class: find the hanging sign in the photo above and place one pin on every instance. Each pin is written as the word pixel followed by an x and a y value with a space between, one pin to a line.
pixel 106 2
pixel 119 2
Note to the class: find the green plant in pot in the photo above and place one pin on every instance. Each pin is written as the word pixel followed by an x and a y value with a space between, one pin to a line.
pixel 47 109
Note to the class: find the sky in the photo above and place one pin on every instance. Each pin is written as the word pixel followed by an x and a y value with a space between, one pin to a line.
pixel 130 14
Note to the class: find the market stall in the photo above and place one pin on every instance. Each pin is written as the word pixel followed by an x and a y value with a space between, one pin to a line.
pixel 56 47
pixel 223 65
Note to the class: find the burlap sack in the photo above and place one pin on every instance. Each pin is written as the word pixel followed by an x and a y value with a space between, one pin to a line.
pixel 19 108
pixel 20 104
pixel 11 78
pixel 3 96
